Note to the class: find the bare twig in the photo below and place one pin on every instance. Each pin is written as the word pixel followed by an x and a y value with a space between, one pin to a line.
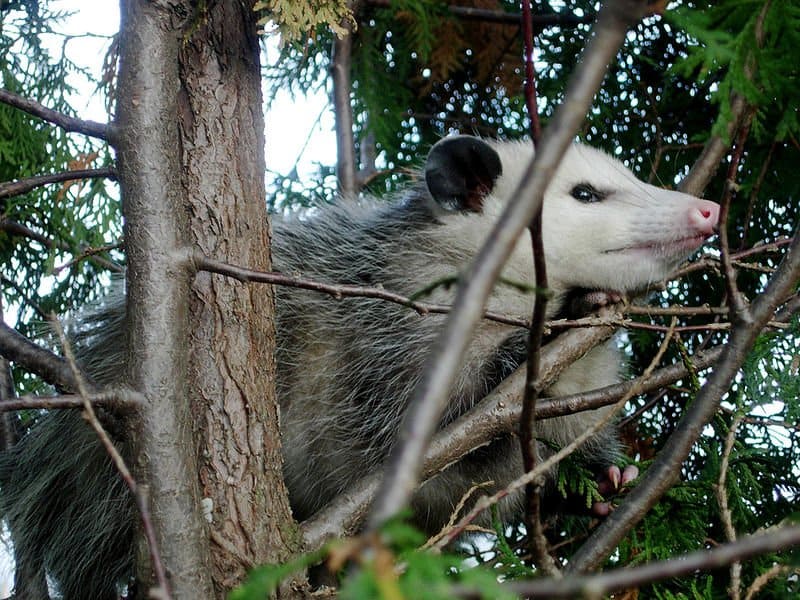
pixel 767 576
pixel 90 128
pixel 707 261
pixel 508 18
pixel 119 463
pixel 342 109
pixel 121 399
pixel 734 589
pixel 430 398
pixel 737 303
pixel 754 191
pixel 89 253
pixel 15 188
pixel 527 434
pixel 14 228
pixel 204 263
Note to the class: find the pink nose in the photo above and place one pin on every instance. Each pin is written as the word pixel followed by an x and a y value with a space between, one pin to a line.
pixel 703 216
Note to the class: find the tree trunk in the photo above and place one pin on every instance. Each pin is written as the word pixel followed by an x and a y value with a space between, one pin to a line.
pixel 191 167
pixel 234 406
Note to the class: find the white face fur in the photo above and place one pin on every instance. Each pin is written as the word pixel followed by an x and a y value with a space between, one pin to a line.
pixel 619 233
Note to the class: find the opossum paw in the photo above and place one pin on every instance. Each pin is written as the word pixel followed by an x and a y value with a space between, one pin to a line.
pixel 612 482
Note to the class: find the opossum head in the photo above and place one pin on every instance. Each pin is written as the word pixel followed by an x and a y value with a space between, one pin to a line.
pixel 602 227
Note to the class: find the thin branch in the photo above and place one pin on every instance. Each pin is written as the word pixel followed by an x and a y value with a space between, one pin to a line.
pixel 119 463
pixel 20 350
pixel 735 586
pixel 754 191
pixel 339 291
pixel 737 303
pixel 90 253
pixel 708 261
pixel 551 461
pixel 21 186
pixel 14 228
pixel 716 148
pixel 430 398
pixel 527 434
pixel 506 18
pixel 763 579
pixel 204 263
pixel 120 399
pixel 342 108
pixel 666 467
pixel 90 128
pixel 594 586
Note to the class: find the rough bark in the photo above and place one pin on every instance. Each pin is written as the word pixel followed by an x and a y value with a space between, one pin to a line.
pixel 233 400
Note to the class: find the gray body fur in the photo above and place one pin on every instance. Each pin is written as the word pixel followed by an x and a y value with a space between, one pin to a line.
pixel 347 368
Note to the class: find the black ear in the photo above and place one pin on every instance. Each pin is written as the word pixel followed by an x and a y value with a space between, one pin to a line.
pixel 460 171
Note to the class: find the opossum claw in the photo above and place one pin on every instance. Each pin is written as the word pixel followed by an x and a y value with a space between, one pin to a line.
pixel 614 481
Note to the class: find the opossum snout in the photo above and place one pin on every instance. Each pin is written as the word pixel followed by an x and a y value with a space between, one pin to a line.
pixel 703 216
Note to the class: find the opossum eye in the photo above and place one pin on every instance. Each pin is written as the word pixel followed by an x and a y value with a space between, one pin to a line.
pixel 586 192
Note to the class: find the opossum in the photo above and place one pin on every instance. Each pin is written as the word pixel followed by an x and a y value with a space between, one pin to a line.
pixel 346 369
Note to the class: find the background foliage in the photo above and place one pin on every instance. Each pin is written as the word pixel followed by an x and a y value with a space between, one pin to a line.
pixel 45 233
pixel 420 72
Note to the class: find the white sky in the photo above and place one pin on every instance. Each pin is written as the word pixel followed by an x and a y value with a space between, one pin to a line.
pixel 289 121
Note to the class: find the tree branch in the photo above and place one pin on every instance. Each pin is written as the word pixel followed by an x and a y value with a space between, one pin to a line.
pixel 121 399
pixel 469 13
pixel 527 433
pixel 342 109
pixel 734 588
pixel 592 586
pixel 204 263
pixel 15 188
pixel 20 350
pixel 119 463
pixel 90 128
pixel 431 396
pixel 14 228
